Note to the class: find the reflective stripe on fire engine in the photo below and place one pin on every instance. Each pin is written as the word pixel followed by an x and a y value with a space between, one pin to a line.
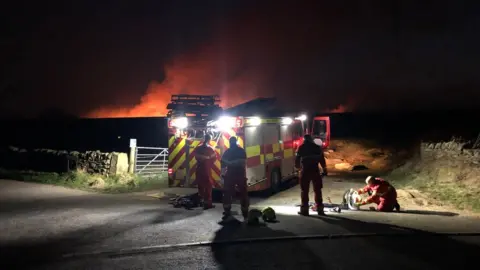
pixel 259 154
pixel 226 137
pixel 177 156
pixel 264 121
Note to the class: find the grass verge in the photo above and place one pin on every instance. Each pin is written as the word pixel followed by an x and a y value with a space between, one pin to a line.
pixel 443 182
pixel 91 182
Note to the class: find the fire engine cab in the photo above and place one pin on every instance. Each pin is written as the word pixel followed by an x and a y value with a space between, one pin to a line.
pixel 269 137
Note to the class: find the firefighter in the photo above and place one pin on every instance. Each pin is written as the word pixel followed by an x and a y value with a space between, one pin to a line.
pixel 382 193
pixel 206 157
pixel 234 172
pixel 309 155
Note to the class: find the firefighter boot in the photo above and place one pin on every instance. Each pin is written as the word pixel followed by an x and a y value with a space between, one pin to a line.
pixel 397 207
pixel 304 211
pixel 208 206
pixel 245 213
pixel 320 211
pixel 227 215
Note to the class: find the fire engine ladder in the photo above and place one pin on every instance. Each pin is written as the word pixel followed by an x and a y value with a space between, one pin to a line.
pixel 198 108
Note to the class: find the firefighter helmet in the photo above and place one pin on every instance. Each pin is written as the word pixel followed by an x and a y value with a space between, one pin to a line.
pixel 268 215
pixel 369 179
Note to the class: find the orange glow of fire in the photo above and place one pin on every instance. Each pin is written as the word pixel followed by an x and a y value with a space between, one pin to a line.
pixel 340 109
pixel 200 73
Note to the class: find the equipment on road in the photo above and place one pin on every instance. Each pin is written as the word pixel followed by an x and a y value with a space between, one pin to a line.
pixel 187 201
pixel 270 138
pixel 350 197
pixel 268 215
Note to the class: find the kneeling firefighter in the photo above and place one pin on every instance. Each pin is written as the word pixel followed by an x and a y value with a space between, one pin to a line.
pixel 382 193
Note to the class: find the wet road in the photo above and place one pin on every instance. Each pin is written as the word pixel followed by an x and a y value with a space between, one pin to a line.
pixel 79 230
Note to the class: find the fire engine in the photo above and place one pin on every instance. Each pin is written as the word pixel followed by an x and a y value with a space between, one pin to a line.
pixel 320 130
pixel 269 140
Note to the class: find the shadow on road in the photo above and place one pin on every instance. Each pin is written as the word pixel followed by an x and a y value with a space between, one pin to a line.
pixel 94 201
pixel 429 213
pixel 34 254
pixel 437 251
pixel 233 254
pixel 417 212
pixel 217 195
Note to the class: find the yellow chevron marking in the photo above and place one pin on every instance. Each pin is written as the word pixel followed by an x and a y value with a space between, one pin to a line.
pixel 179 162
pixel 215 176
pixel 175 151
pixel 171 140
pixel 193 160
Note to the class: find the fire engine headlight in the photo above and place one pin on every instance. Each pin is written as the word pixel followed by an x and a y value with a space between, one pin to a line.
pixel 255 121
pixel 287 121
pixel 302 117
pixel 180 123
pixel 225 122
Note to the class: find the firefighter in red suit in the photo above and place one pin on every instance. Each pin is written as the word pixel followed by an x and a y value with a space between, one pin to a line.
pixel 309 155
pixel 206 157
pixel 382 193
pixel 234 172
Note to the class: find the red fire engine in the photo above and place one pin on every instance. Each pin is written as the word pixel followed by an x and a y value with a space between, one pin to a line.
pixel 269 137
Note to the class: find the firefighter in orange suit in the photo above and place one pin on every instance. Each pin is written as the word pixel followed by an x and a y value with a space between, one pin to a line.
pixel 382 193
pixel 234 172
pixel 309 155
pixel 206 157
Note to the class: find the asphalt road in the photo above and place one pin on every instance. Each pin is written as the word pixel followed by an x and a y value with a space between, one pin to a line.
pixel 45 227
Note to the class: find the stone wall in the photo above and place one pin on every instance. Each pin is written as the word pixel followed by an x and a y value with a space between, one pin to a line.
pixel 49 160
pixel 449 150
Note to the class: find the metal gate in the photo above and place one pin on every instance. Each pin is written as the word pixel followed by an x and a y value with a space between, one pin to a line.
pixel 151 160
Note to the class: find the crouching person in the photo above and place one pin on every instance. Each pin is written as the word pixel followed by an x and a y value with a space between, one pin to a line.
pixel 381 193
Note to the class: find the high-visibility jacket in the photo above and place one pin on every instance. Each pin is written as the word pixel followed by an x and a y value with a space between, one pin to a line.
pixel 206 157
pixel 379 189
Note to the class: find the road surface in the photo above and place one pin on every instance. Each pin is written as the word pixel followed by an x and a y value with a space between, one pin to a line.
pixel 46 227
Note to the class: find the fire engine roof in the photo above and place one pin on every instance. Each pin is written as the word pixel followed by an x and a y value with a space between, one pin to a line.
pixel 257 107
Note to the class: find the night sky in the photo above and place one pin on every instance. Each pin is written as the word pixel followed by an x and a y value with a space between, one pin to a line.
pixel 125 58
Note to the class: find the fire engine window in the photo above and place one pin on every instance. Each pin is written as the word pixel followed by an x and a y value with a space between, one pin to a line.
pixel 252 136
pixel 297 130
pixel 320 128
pixel 286 133
pixel 271 133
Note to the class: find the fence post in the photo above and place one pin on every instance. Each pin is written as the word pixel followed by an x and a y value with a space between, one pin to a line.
pixel 131 157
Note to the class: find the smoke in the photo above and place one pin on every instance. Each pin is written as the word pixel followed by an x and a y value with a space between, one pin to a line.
pixel 310 57
pixel 251 55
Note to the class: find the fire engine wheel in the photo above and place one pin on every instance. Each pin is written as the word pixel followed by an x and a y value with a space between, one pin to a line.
pixel 275 181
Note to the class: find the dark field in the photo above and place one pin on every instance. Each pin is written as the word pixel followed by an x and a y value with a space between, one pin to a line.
pixel 114 134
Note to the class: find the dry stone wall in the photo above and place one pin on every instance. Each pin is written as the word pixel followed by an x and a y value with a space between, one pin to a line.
pixel 449 150
pixel 49 160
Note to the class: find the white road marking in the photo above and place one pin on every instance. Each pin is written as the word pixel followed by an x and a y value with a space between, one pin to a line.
pixel 157 248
